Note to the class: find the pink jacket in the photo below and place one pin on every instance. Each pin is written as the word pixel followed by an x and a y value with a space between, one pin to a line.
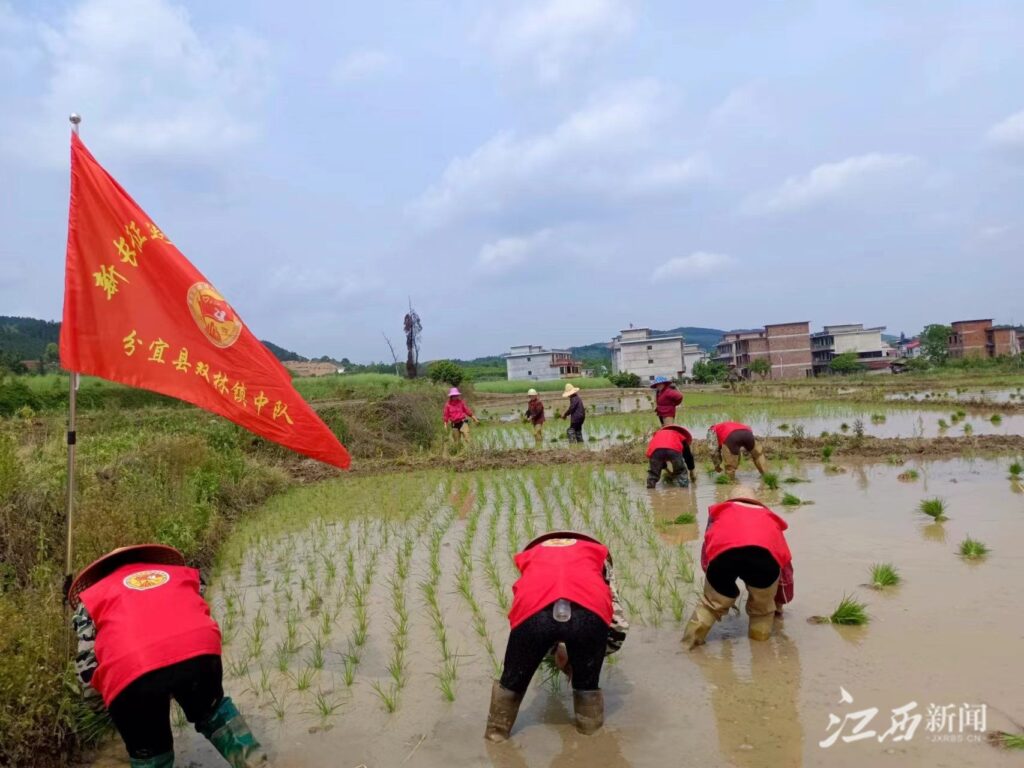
pixel 456 410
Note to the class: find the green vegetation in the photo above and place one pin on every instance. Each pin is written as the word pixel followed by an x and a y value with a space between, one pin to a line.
pixel 935 343
pixel 909 476
pixel 554 385
pixel 760 367
pixel 723 480
pixel 845 364
pixel 973 549
pixel 884 575
pixel 709 372
pixel 934 508
pixel 446 372
pixel 791 500
pixel 849 612
pixel 996 419
pixel 1007 740
pixel 770 480
pixel 625 380
pixel 686 518
pixel 1016 468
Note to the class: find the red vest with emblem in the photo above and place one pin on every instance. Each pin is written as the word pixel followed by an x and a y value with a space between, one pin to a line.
pixel 673 439
pixel 736 523
pixel 726 428
pixel 147 617
pixel 574 572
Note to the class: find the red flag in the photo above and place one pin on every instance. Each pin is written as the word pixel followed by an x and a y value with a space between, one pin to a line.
pixel 136 311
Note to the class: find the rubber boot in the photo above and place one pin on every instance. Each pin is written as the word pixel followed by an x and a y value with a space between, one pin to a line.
pixel 761 610
pixel 682 480
pixel 227 730
pixel 589 709
pixel 710 608
pixel 504 709
pixel 652 483
pixel 166 760
pixel 693 476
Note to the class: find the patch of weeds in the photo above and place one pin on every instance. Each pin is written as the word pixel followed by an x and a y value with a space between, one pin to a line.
pixel 770 480
pixel 791 500
pixel 909 476
pixel 934 508
pixel 849 612
pixel 884 575
pixel 973 549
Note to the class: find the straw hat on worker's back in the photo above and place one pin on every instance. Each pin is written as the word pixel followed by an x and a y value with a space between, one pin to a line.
pixel 570 390
pixel 155 554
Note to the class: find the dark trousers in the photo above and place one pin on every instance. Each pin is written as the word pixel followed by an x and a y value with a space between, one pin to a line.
pixel 585 636
pixel 755 565
pixel 142 711
pixel 664 458
pixel 575 432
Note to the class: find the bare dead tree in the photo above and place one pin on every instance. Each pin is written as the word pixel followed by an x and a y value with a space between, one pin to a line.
pixel 413 328
pixel 393 355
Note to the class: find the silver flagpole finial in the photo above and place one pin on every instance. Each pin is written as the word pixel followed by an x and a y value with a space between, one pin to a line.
pixel 74 118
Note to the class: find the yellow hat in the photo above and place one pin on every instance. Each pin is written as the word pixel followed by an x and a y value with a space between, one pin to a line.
pixel 570 390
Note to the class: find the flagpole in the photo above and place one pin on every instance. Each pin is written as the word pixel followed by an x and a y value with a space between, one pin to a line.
pixel 75 120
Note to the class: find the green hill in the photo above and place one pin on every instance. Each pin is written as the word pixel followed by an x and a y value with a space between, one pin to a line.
pixel 25 338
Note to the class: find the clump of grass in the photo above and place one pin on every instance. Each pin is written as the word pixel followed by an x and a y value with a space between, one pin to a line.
pixel 878 418
pixel 770 480
pixel 791 500
pixel 783 427
pixel 849 612
pixel 844 427
pixel 722 480
pixel 884 575
pixel 973 549
pixel 686 518
pixel 943 424
pixel 909 476
pixel 968 429
pixel 826 453
pixel 934 508
pixel 996 419
pixel 1016 469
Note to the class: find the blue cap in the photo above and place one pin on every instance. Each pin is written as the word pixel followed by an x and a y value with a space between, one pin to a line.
pixel 659 380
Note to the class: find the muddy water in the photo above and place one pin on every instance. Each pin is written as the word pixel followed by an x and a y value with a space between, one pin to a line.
pixel 964 395
pixel 951 633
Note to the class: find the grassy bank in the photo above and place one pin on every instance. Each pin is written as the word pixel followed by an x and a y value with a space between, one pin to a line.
pixel 555 385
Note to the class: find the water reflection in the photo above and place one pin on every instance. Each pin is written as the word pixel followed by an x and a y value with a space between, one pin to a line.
pixel 934 532
pixel 756 709
pixel 669 505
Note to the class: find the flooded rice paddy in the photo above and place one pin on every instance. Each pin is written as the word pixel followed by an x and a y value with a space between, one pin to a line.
pixel 364 619
pixel 778 419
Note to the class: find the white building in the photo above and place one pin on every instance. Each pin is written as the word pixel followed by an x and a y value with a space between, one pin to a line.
pixel 692 354
pixel 635 350
pixel 835 340
pixel 534 363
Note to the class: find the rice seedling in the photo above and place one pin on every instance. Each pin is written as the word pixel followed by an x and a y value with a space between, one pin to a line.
pixel 348 670
pixel 324 706
pixel 878 418
pixel 279 704
pixel 908 476
pixel 968 429
pixel 943 425
pixel 996 419
pixel 1016 469
pixel 884 575
pixel 973 549
pixel 1006 740
pixel 686 518
pixel 934 508
pixel 791 500
pixel 844 427
pixel 826 452
pixel 834 469
pixel 895 461
pixel 794 480
pixel 178 718
pixel 770 480
pixel 303 679
pixel 238 667
pixel 723 480
pixel 388 696
pixel 849 612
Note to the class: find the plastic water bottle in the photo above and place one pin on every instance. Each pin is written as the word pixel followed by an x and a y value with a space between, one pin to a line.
pixel 562 610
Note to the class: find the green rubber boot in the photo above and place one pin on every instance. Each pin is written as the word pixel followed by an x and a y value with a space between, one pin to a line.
pixel 227 730
pixel 166 760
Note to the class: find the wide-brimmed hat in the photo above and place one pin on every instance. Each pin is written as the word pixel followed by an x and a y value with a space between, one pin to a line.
pixel 659 380
pixel 684 430
pixel 531 392
pixel 454 392
pixel 561 535
pixel 570 390
pixel 743 493
pixel 157 554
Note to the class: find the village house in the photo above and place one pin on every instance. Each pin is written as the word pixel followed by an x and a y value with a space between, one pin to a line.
pixel 785 346
pixel 535 363
pixel 979 338
pixel 835 340
pixel 640 352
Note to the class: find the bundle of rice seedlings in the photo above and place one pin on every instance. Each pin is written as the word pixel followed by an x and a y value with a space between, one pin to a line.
pixel 973 549
pixel 934 508
pixel 884 575
pixel 849 612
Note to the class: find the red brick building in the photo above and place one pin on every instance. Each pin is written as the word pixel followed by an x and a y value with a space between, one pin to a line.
pixel 979 338
pixel 786 347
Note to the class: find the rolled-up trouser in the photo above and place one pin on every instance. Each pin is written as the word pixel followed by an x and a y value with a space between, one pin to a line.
pixel 741 440
pixel 460 431
pixel 666 459
pixel 585 635
pixel 538 431
pixel 755 565
pixel 142 711
pixel 575 432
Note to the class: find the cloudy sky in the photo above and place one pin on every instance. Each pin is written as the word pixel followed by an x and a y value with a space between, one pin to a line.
pixel 532 171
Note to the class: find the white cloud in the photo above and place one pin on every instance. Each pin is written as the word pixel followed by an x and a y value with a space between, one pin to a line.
pixel 831 181
pixel 698 264
pixel 508 253
pixel 553 36
pixel 145 83
pixel 605 150
pixel 365 64
pixel 1008 133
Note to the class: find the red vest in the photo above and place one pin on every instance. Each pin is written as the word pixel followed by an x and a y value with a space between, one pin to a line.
pixel 726 428
pixel 736 523
pixel 147 617
pixel 671 438
pixel 574 572
pixel 667 400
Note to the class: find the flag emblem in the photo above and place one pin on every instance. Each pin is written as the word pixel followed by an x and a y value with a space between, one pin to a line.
pixel 143 580
pixel 214 315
